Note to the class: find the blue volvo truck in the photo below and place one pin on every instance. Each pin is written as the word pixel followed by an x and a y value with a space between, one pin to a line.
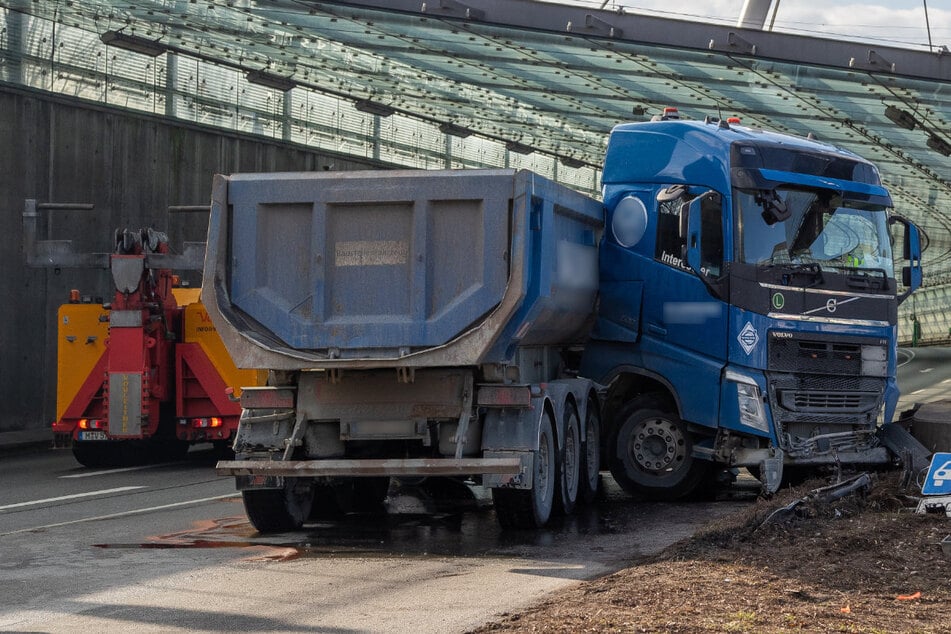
pixel 748 304
pixel 731 302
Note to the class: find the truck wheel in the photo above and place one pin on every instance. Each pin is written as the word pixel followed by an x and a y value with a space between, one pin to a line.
pixel 652 452
pixel 275 510
pixel 361 495
pixel 591 456
pixel 569 463
pixel 335 498
pixel 96 454
pixel 520 508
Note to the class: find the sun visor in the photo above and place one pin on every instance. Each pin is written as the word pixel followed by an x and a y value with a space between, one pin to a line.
pixel 767 179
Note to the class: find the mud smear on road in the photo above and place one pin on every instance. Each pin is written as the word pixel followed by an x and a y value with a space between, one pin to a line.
pixel 416 524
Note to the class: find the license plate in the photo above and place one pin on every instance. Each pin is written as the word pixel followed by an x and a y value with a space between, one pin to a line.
pixel 93 435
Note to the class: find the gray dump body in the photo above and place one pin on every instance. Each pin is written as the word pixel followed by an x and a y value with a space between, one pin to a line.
pixel 398 268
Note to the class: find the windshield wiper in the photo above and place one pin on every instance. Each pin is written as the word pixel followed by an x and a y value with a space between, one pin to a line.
pixel 791 270
pixel 860 277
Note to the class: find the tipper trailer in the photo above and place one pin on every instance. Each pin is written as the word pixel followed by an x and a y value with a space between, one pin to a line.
pixel 458 322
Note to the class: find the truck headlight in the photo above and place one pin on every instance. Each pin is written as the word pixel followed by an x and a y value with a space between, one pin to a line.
pixel 751 406
pixel 749 400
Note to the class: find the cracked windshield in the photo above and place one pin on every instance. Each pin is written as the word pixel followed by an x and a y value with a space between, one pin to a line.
pixel 820 228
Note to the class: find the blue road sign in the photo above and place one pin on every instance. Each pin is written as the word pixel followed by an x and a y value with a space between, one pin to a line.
pixel 938 481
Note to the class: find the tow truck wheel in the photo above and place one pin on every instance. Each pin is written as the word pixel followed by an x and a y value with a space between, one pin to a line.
pixel 275 510
pixel 569 463
pixel 652 452
pixel 96 454
pixel 531 508
pixel 591 455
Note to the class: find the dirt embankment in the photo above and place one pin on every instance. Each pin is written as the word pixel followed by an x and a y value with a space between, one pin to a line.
pixel 859 564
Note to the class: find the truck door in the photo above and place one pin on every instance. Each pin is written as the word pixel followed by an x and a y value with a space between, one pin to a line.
pixel 685 325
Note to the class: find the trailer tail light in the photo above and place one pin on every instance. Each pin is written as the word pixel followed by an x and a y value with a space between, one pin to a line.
pixel 74 296
pixel 202 423
pixel 91 423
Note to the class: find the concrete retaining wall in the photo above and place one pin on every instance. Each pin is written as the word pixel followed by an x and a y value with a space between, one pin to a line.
pixel 132 168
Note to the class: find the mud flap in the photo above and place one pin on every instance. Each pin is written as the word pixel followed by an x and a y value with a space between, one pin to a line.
pixel 771 473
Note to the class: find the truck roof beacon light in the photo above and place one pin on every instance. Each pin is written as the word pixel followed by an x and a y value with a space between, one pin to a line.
pixel 270 80
pixel 670 114
pixel 133 43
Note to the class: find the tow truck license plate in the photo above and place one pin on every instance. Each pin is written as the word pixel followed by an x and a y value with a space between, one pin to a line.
pixel 92 435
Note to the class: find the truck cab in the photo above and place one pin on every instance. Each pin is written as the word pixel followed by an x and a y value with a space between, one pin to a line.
pixel 748 304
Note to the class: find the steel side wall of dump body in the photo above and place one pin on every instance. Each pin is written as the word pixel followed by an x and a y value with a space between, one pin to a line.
pixel 397 269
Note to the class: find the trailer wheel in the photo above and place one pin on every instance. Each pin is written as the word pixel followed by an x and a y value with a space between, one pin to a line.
pixel 591 455
pixel 652 452
pixel 569 463
pixel 275 510
pixel 531 508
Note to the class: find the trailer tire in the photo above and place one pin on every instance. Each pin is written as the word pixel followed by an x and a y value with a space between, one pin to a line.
pixel 531 508
pixel 569 463
pixel 276 510
pixel 591 455
pixel 651 452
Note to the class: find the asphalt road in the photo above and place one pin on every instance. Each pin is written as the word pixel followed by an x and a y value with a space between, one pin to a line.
pixel 167 548
pixel 924 375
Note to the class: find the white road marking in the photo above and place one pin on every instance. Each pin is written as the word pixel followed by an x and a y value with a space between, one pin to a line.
pixel 122 514
pixel 911 355
pixel 122 470
pixel 69 497
pixel 926 370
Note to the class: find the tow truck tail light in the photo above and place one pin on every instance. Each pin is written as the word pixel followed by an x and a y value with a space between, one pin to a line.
pixel 214 421
pixel 90 423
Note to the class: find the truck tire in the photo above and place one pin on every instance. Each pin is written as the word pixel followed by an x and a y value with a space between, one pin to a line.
pixel 569 463
pixel 591 455
pixel 651 452
pixel 276 510
pixel 531 508
pixel 109 453
pixel 335 498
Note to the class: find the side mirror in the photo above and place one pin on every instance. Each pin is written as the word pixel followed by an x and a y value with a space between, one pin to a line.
pixel 674 192
pixel 690 230
pixel 911 274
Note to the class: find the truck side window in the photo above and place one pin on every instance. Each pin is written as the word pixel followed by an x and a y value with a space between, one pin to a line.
pixel 669 247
